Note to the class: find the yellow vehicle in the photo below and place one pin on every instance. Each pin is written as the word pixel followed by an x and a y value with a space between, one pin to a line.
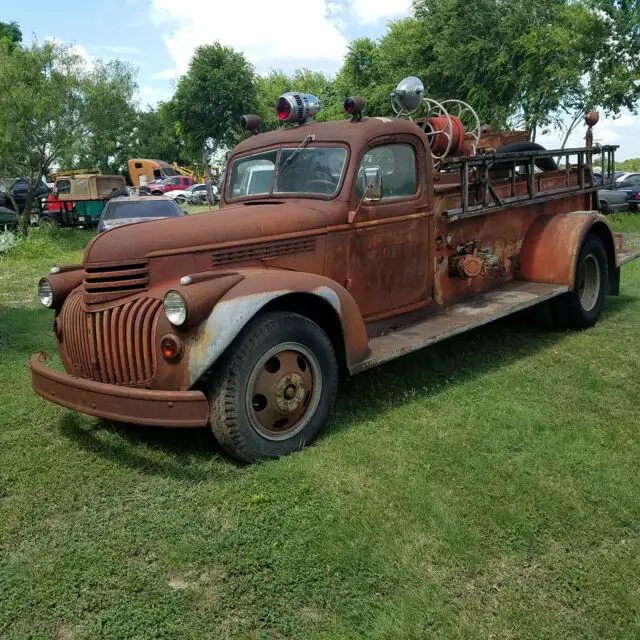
pixel 144 171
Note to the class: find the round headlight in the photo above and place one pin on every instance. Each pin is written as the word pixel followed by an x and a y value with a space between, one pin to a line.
pixel 45 292
pixel 175 308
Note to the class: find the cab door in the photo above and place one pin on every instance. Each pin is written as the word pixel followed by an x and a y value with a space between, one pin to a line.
pixel 388 265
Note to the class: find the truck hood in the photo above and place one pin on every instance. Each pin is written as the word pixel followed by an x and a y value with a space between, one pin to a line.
pixel 205 230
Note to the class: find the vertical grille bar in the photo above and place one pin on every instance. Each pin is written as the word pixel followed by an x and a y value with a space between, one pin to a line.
pixel 106 331
pixel 115 345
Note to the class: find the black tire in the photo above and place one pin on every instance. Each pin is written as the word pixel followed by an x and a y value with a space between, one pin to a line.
pixel 580 308
pixel 546 164
pixel 47 223
pixel 156 193
pixel 605 209
pixel 181 199
pixel 119 193
pixel 242 418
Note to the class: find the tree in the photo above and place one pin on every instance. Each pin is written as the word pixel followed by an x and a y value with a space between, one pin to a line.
pixel 277 82
pixel 210 98
pixel 108 117
pixel 155 136
pixel 10 31
pixel 40 111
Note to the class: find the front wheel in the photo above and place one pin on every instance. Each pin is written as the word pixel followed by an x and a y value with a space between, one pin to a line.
pixel 275 389
pixel 580 308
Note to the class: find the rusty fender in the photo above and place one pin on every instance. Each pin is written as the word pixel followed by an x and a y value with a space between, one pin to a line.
pixel 551 246
pixel 258 288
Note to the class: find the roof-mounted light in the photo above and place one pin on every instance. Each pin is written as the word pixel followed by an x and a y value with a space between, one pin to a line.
pixel 354 106
pixel 251 122
pixel 297 107
pixel 407 98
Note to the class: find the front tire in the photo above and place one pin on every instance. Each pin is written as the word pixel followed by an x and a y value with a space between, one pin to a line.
pixel 275 388
pixel 580 308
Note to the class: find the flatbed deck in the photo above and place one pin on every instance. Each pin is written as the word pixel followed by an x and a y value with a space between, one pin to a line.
pixel 458 318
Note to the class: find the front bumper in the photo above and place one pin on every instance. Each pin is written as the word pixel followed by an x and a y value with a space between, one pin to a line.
pixel 124 404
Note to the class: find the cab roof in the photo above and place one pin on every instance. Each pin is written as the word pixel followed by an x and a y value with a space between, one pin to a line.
pixel 354 133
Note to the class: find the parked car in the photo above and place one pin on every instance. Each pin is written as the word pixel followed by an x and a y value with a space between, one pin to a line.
pixel 8 219
pixel 633 198
pixel 18 189
pixel 628 180
pixel 612 201
pixel 195 194
pixel 130 210
pixel 174 183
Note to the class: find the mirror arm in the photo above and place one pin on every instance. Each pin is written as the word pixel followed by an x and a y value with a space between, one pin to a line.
pixel 353 214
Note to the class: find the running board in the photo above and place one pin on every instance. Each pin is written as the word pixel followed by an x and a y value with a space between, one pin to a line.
pixel 458 318
pixel 627 256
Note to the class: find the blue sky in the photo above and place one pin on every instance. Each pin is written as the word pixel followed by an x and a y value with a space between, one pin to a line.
pixel 159 36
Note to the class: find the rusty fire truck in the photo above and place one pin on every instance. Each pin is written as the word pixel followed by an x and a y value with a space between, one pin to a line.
pixel 338 246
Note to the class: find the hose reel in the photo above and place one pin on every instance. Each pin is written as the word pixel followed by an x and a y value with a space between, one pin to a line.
pixel 450 126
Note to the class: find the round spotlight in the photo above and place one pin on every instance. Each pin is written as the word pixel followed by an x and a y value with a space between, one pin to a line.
pixel 409 93
pixel 354 105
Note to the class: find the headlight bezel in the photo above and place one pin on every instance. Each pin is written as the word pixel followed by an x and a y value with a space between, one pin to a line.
pixel 47 299
pixel 175 308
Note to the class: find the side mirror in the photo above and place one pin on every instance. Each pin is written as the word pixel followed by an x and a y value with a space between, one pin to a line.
pixel 372 183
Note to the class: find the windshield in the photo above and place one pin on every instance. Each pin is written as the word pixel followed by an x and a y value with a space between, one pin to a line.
pixel 169 171
pixel 141 209
pixel 310 170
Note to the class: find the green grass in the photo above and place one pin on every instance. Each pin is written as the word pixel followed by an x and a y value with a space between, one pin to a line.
pixel 198 208
pixel 487 487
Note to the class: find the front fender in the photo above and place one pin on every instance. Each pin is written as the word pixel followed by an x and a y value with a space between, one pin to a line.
pixel 258 288
pixel 551 246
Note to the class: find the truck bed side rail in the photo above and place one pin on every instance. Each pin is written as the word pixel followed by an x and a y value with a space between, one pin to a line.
pixel 488 200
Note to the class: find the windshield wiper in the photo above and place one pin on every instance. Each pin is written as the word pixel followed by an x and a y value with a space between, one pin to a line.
pixel 294 153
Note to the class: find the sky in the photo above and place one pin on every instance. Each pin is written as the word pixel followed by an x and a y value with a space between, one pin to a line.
pixel 159 37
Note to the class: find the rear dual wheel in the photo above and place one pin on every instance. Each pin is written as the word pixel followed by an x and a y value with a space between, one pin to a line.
pixel 581 308
pixel 275 388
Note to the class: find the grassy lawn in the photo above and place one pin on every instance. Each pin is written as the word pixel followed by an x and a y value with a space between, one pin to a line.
pixel 487 487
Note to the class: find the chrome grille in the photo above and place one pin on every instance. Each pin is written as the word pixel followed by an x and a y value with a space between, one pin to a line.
pixel 113 345
pixel 102 284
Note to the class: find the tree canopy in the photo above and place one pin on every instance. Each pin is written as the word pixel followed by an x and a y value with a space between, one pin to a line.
pixel 218 88
pixel 519 64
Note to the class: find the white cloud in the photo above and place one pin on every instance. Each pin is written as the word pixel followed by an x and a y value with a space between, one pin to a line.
pixel 623 130
pixel 370 11
pixel 117 48
pixel 149 94
pixel 167 74
pixel 269 38
pixel 78 49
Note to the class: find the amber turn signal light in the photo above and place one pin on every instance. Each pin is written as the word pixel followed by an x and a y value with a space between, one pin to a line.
pixel 171 347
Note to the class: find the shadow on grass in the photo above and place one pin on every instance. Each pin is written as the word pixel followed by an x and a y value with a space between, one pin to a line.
pixel 364 397
pixel 185 454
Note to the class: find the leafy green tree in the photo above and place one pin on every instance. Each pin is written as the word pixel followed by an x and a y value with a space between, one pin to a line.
pixel 210 98
pixel 108 118
pixel 274 84
pixel 40 111
pixel 155 136
pixel 10 31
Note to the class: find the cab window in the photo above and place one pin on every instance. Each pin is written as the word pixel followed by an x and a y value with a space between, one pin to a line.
pixel 63 186
pixel 398 165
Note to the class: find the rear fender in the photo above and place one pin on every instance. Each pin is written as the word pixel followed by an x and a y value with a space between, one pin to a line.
pixel 257 290
pixel 552 244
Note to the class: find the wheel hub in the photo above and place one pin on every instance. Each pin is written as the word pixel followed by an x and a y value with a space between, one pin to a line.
pixel 283 391
pixel 290 393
